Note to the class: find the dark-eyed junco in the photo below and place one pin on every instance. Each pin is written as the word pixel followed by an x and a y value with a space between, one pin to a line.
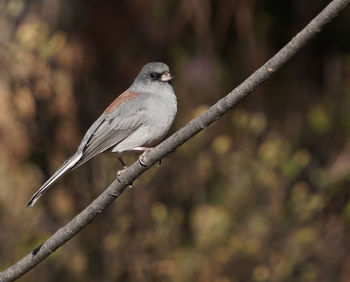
pixel 136 120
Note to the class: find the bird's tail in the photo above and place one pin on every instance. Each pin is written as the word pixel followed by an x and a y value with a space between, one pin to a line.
pixel 64 168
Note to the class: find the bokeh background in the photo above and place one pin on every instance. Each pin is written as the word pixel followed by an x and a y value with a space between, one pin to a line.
pixel 261 195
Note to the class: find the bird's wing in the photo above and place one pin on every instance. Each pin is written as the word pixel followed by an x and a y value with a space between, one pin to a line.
pixel 120 119
pixel 113 126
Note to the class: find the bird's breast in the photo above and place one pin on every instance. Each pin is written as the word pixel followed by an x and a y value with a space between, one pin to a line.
pixel 161 115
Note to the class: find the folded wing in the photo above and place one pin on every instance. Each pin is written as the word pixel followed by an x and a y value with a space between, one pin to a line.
pixel 123 117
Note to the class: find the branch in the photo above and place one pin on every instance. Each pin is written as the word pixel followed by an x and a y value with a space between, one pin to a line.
pixel 65 233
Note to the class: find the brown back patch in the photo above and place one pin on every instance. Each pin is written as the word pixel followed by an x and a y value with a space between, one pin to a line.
pixel 127 95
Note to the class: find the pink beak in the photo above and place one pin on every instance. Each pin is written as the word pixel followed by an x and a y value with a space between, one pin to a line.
pixel 166 76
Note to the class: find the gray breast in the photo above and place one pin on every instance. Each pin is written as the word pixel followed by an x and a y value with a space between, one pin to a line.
pixel 163 109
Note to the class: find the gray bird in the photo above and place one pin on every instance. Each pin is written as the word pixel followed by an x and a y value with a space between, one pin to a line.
pixel 135 121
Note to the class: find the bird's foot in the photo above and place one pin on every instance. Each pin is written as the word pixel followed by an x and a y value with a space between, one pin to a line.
pixel 119 173
pixel 142 159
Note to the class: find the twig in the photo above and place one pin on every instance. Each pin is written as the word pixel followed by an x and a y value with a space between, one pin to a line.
pixel 65 233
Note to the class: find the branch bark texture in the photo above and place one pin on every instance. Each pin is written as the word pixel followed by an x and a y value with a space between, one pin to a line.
pixel 66 232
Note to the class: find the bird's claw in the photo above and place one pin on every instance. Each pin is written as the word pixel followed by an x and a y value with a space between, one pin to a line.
pixel 119 173
pixel 142 159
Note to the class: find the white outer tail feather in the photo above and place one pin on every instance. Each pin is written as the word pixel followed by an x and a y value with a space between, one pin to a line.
pixel 64 168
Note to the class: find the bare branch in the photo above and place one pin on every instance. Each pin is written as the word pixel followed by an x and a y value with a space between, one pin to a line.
pixel 65 233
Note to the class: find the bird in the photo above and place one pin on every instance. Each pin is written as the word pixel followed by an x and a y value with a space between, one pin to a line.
pixel 136 120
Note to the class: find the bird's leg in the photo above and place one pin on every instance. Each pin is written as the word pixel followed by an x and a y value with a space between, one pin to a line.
pixel 120 172
pixel 122 162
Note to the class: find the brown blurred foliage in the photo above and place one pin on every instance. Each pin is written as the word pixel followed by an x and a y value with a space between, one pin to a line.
pixel 262 195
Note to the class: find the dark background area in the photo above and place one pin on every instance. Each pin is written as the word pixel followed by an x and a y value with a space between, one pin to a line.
pixel 261 195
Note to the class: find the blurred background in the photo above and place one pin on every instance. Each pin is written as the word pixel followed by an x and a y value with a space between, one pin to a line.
pixel 261 195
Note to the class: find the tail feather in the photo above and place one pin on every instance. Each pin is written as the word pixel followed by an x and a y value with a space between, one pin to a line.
pixel 64 168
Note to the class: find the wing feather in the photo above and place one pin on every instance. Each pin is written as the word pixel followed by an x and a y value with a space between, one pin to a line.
pixel 114 128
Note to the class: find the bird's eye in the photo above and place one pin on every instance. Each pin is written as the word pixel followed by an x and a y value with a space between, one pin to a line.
pixel 154 75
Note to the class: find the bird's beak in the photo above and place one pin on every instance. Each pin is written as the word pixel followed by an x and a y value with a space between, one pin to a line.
pixel 166 76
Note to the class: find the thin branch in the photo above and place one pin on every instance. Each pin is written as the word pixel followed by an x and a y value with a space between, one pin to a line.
pixel 65 233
